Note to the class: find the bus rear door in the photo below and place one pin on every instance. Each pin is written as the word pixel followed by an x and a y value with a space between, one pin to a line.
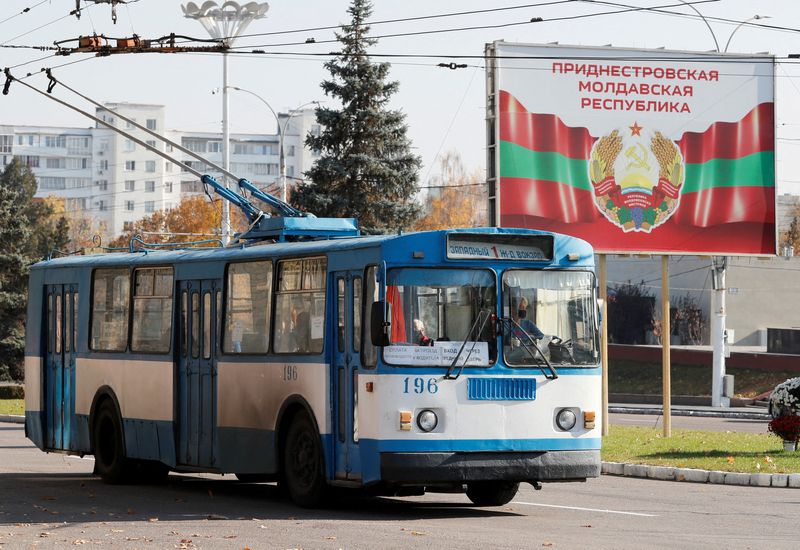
pixel 197 371
pixel 59 368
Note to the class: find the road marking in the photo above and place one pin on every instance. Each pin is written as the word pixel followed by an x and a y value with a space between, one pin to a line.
pixel 585 509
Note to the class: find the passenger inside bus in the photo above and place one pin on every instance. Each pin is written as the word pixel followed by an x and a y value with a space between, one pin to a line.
pixel 420 338
pixel 302 331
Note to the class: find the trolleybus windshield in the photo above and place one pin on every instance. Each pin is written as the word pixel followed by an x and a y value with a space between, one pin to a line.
pixel 432 313
pixel 556 309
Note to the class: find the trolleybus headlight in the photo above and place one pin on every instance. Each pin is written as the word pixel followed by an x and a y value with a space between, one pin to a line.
pixel 427 420
pixel 565 419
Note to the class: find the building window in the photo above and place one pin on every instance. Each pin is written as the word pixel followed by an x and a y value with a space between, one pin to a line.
pixel 168 166
pixel 290 151
pixel 103 165
pixel 151 124
pixel 272 169
pixel 195 145
pixel 129 206
pixel 54 162
pixel 130 165
pixel 55 142
pixel 102 185
pixel 190 187
pixel 290 171
pixel 168 187
pixel 130 185
pixel 103 145
pixel 52 183
pixel 110 290
pixel 77 183
pixel 130 146
pixel 101 206
pixel 149 186
pixel 149 206
pixel 127 226
pixel 149 166
pixel 5 143
pixel 29 160
pixel 214 146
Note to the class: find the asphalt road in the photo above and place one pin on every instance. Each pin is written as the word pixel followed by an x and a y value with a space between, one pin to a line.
pixel 49 500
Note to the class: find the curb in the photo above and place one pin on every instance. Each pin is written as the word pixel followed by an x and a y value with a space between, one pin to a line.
pixel 12 418
pixel 668 473
pixel 700 414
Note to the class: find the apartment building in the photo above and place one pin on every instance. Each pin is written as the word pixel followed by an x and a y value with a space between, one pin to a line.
pixel 114 181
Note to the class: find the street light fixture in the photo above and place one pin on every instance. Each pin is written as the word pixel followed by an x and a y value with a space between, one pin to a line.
pixel 754 18
pixel 225 23
pixel 281 133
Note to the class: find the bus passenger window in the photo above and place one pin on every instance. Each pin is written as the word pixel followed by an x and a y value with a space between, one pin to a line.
pixel 110 308
pixel 58 323
pixel 340 288
pixel 207 325
pixel 195 337
pixel 300 306
pixel 247 307
pixel 152 310
pixel 357 299
pixel 184 322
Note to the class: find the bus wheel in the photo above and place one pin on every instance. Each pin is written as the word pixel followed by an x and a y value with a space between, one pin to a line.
pixel 303 463
pixel 491 493
pixel 109 450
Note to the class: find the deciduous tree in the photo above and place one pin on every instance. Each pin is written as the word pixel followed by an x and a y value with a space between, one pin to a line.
pixel 455 198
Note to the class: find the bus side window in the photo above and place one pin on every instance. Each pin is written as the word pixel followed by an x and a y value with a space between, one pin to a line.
pixel 184 322
pixel 110 308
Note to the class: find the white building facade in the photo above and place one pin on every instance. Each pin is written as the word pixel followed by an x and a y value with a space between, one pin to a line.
pixel 113 181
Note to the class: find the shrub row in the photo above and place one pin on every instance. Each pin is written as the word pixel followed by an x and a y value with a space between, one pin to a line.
pixel 12 391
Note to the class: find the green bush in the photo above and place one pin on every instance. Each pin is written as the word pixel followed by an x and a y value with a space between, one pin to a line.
pixel 12 391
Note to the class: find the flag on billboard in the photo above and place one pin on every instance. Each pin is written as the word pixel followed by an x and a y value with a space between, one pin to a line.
pixel 631 181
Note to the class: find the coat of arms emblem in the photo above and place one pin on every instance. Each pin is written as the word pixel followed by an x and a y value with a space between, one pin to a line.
pixel 637 176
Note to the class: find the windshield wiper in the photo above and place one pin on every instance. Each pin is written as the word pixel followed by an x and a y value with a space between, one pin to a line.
pixel 506 322
pixel 449 374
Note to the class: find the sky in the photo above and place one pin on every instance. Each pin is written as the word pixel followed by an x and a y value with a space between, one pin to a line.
pixel 445 108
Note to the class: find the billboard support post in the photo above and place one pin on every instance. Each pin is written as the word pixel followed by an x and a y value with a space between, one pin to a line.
pixel 718 331
pixel 665 351
pixel 604 337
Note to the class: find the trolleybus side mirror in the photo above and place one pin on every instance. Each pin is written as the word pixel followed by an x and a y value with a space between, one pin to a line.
pixel 379 328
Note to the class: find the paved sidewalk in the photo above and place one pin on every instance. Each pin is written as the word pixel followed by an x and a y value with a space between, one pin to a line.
pixel 749 413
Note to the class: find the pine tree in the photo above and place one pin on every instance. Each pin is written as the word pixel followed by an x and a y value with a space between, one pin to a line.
pixel 366 170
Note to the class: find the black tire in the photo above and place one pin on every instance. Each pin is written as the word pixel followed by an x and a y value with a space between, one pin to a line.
pixel 253 478
pixel 491 493
pixel 303 463
pixel 109 448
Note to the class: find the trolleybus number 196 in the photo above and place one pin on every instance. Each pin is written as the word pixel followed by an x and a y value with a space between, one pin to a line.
pixel 420 385
pixel 290 373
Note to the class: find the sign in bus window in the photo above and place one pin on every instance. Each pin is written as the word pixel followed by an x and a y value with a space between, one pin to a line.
pixel 438 316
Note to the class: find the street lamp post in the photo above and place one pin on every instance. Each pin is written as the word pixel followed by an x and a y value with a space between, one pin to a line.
pixel 281 133
pixel 225 23
pixel 754 18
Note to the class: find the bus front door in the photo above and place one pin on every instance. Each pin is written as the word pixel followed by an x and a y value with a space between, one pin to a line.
pixel 197 372
pixel 346 363
pixel 59 368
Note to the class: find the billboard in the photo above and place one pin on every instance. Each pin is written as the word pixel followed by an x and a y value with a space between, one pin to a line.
pixel 635 151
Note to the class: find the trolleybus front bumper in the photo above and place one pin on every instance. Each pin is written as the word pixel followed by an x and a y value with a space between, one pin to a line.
pixel 420 468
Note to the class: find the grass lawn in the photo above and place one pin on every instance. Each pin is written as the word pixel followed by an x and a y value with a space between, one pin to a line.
pixel 645 378
pixel 12 406
pixel 725 451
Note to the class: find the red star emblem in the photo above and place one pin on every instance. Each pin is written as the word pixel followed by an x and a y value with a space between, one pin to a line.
pixel 635 129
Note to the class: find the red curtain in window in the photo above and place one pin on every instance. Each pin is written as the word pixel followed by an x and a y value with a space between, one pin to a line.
pixel 398 318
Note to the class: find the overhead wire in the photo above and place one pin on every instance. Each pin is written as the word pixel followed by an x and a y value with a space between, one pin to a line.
pixel 24 11
pixel 70 14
